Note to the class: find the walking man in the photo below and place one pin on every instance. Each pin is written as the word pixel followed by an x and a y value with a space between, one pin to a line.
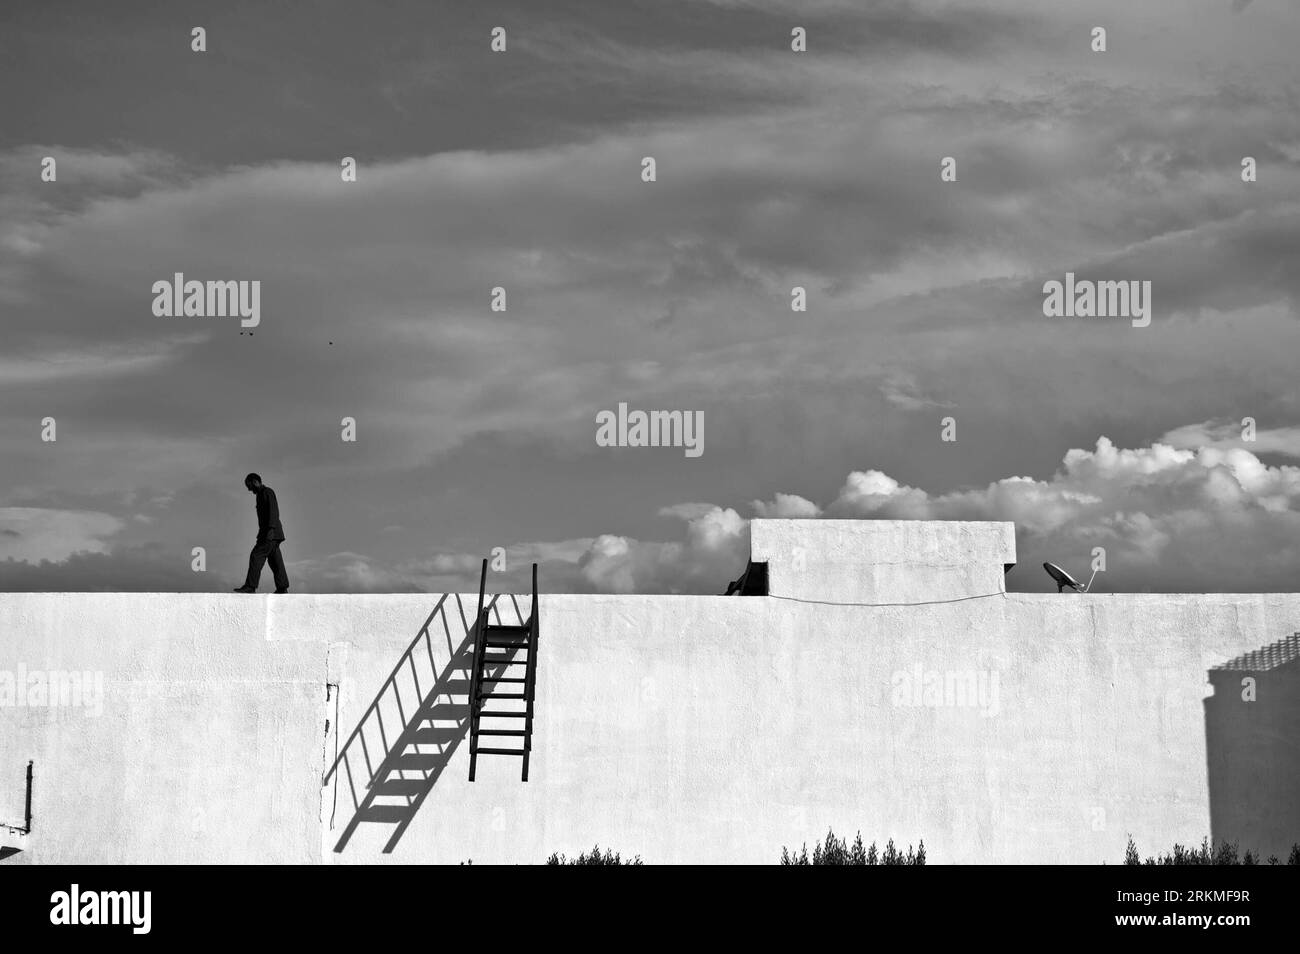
pixel 270 534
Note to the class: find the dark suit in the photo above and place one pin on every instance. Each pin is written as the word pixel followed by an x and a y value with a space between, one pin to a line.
pixel 270 534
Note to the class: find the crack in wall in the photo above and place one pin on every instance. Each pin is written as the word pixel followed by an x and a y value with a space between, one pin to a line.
pixel 331 694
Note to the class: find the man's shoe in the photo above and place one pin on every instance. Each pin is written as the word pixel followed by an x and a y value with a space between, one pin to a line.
pixel 245 589
pixel 285 590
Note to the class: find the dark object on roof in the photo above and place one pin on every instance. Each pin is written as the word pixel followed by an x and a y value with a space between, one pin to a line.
pixel 1265 658
pixel 753 582
pixel 1062 578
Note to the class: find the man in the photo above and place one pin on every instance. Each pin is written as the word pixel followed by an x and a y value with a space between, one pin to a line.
pixel 270 534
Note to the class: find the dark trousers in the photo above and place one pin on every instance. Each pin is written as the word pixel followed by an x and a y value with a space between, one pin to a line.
pixel 266 551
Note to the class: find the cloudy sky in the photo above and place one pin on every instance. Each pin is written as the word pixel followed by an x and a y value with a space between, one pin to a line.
pixel 522 169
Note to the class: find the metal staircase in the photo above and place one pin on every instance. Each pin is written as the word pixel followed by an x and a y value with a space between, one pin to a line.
pixel 502 684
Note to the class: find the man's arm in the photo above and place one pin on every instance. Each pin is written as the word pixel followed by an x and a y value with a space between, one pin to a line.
pixel 263 512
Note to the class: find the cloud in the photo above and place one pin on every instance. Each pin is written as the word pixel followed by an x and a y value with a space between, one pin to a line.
pixel 104 361
pixel 1225 435
pixel 1206 516
pixel 1202 517
pixel 1127 177
pixel 34 534
pixel 775 169
pixel 900 389
pixel 789 506
pixel 149 568
pixel 716 542
pixel 347 572
pixel 446 572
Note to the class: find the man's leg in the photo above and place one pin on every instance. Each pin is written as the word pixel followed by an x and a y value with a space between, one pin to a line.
pixel 261 550
pixel 277 567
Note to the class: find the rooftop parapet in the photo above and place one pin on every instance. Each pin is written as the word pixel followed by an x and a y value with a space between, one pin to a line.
pixel 883 561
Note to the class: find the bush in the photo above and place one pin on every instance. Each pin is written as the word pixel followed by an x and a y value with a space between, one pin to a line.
pixel 1220 854
pixel 593 857
pixel 836 851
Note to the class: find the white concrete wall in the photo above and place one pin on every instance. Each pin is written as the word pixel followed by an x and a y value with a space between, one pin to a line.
pixel 205 747
pixel 685 729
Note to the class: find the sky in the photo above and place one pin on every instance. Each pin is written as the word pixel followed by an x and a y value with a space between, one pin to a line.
pixel 522 169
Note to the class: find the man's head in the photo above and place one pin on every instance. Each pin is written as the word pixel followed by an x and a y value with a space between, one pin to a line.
pixel 253 482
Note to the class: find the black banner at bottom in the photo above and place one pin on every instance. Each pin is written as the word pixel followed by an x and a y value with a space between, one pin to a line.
pixel 330 904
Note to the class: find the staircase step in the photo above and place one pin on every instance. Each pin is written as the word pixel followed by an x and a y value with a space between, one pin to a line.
pixel 500 751
pixel 491 643
pixel 400 786
pixel 503 679
pixel 502 715
pixel 389 814
pixel 436 735
pixel 416 761
pixel 508 628
pixel 503 661
pixel 446 710
pixel 502 732
pixel 504 695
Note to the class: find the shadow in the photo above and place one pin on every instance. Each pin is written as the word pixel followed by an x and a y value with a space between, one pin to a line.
pixel 391 765
pixel 1252 750
pixel 6 852
pixel 753 582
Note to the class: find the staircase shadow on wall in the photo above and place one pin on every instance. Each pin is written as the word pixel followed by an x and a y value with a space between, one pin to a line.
pixel 396 778
pixel 1252 751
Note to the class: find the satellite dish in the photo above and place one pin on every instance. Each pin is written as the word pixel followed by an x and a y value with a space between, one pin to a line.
pixel 1064 579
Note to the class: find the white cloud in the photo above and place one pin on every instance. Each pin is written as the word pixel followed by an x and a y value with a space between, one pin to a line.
pixel 716 542
pixel 1229 434
pixel 789 506
pixel 1209 518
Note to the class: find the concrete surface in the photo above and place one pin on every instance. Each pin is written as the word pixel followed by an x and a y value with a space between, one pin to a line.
pixel 1005 728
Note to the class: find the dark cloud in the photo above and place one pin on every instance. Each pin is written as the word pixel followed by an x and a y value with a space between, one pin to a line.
pixel 775 169
pixel 144 569
pixel 284 82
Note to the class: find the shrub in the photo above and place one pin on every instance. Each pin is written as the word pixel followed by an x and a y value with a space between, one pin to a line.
pixel 593 857
pixel 1207 854
pixel 836 851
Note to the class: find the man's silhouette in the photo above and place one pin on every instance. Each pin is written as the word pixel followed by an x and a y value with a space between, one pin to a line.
pixel 270 534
